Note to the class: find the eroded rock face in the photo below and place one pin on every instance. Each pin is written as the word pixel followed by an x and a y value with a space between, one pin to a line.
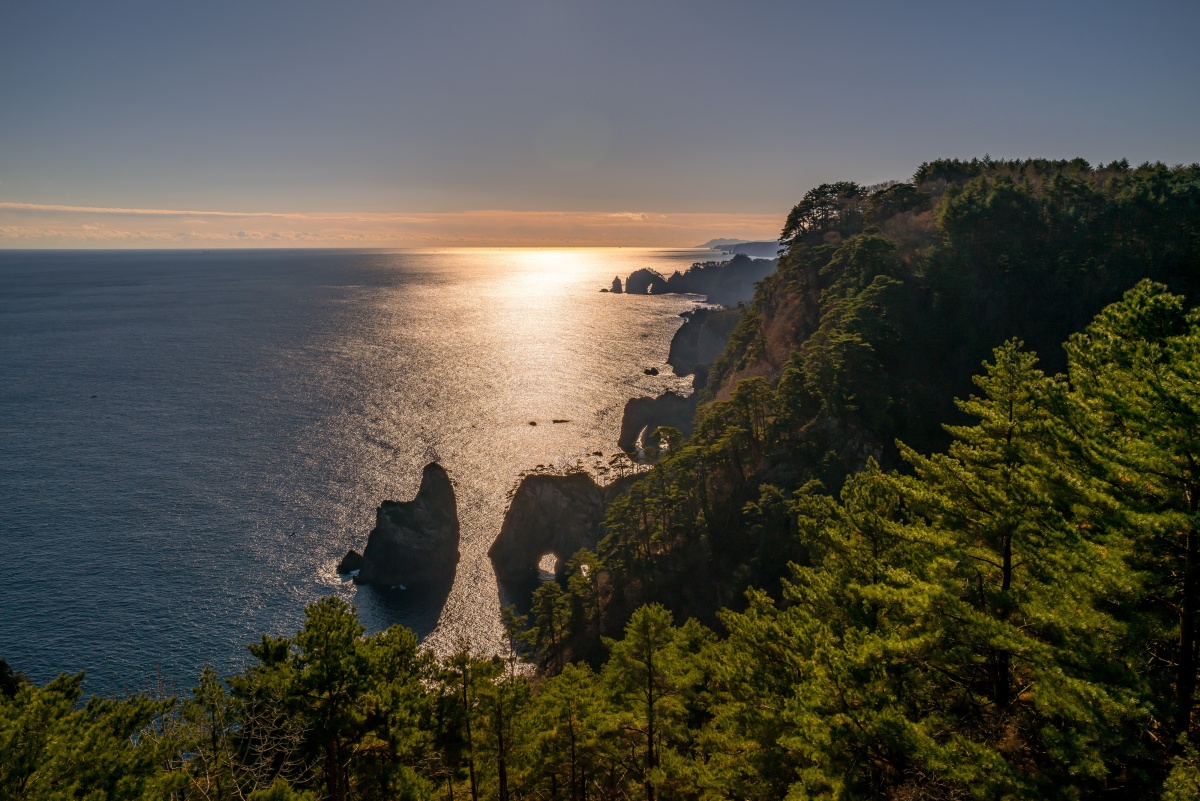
pixel 351 562
pixel 616 285
pixel 414 542
pixel 701 339
pixel 668 409
pixel 550 514
pixel 646 281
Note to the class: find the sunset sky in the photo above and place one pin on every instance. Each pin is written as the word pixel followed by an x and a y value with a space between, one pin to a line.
pixel 396 124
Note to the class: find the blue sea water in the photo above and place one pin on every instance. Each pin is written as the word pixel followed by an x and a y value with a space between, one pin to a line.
pixel 190 441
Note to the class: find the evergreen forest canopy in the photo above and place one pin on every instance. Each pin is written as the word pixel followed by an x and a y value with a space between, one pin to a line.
pixel 845 584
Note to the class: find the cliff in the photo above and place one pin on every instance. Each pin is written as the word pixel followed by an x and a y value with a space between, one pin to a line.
pixel 700 340
pixel 550 514
pixel 413 542
pixel 668 409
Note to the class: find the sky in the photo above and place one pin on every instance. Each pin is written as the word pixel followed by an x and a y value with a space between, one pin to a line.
pixel 547 122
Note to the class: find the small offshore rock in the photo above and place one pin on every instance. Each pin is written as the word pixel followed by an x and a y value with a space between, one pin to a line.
pixel 651 371
pixel 616 286
pixel 533 422
pixel 560 421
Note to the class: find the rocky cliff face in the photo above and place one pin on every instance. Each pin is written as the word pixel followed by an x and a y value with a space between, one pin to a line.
pixel 645 281
pixel 550 514
pixel 414 542
pixel 701 339
pixel 668 409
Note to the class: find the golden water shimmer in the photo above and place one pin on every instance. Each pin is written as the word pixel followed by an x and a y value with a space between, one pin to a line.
pixel 461 367
pixel 191 441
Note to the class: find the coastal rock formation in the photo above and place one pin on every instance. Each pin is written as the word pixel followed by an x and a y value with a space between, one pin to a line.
pixel 725 282
pixel 701 339
pixel 668 409
pixel 616 285
pixel 8 681
pixel 350 563
pixel 414 542
pixel 550 514
pixel 646 282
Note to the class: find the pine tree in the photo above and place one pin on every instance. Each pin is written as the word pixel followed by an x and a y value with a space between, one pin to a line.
pixel 1135 376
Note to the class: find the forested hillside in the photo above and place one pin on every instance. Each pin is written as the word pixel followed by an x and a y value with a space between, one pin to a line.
pixel 823 592
pixel 885 303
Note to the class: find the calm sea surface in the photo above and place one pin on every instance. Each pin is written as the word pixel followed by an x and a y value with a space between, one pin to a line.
pixel 189 442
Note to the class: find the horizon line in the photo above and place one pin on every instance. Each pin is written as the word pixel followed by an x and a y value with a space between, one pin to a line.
pixel 42 226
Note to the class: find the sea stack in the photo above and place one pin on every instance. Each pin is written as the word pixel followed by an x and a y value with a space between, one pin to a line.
pixel 414 542
pixel 616 285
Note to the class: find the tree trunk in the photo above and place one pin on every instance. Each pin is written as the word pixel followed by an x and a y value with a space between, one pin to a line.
pixel 333 784
pixel 571 735
pixel 649 722
pixel 501 757
pixel 1002 694
pixel 1185 680
pixel 470 744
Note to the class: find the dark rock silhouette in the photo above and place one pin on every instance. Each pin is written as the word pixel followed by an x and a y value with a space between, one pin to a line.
pixel 701 339
pixel 616 285
pixel 9 685
pixel 414 542
pixel 725 282
pixel 668 409
pixel 350 562
pixel 550 514
pixel 646 282
pixel 651 371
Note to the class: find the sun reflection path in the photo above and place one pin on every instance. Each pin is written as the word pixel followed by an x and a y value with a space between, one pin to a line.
pixel 494 341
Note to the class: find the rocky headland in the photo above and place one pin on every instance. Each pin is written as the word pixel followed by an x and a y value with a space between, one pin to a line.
pixel 415 542
pixel 727 283
pixel 556 514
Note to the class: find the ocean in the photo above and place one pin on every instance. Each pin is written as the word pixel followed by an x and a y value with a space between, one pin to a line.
pixel 190 441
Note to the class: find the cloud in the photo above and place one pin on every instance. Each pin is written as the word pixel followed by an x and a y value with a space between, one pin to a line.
pixel 52 225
